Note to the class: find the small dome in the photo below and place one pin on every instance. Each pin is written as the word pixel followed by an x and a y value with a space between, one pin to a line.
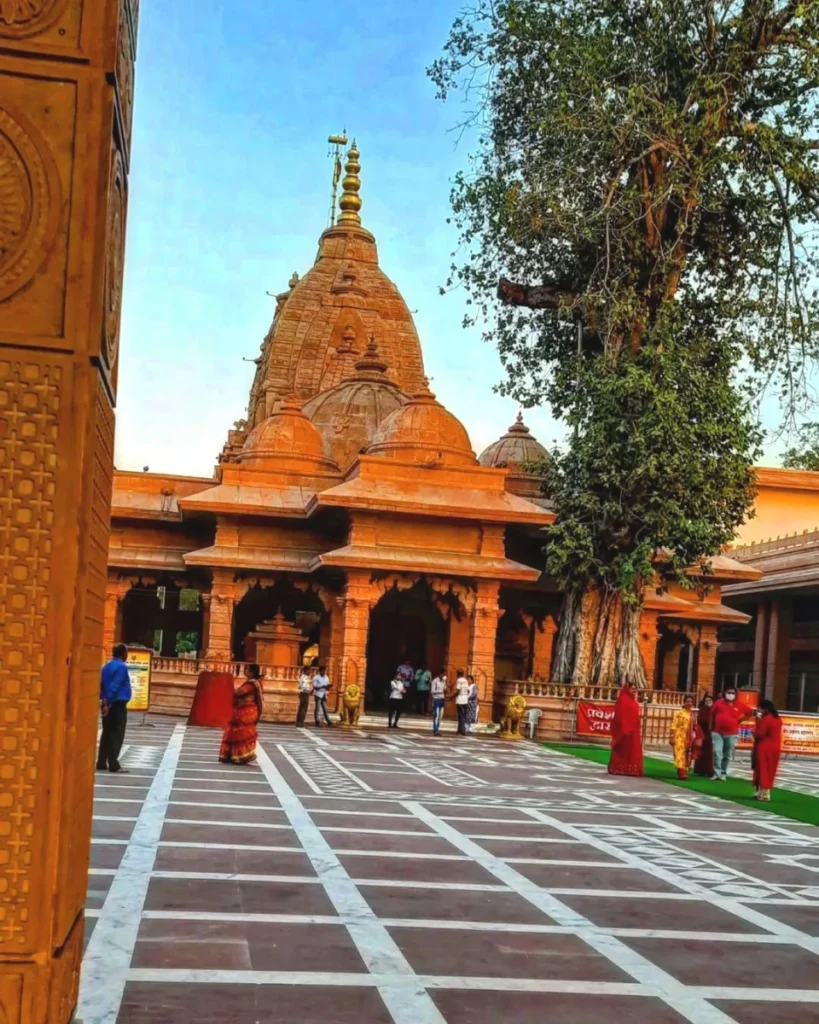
pixel 286 440
pixel 348 415
pixel 516 449
pixel 423 431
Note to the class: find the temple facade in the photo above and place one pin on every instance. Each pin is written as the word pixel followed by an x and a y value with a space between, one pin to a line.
pixel 349 520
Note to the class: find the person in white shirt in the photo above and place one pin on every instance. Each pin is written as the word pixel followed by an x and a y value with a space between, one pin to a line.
pixel 305 689
pixel 461 700
pixel 321 684
pixel 438 702
pixel 396 701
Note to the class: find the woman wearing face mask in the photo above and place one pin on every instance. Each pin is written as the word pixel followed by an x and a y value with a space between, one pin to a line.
pixel 704 764
pixel 767 748
pixel 726 715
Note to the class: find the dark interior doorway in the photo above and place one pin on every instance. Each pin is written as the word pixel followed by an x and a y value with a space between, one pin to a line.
pixel 405 625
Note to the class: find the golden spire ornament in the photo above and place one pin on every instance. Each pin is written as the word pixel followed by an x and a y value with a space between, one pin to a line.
pixel 350 201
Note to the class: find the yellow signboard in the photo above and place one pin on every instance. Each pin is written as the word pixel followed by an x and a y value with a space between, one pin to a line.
pixel 139 671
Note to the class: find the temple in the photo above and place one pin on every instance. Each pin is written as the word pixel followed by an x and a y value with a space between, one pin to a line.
pixel 349 520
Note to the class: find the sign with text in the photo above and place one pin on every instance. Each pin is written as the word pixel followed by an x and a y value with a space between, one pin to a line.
pixel 139 671
pixel 594 718
pixel 800 734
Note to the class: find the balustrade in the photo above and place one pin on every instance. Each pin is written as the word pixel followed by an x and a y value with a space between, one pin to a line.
pixel 567 692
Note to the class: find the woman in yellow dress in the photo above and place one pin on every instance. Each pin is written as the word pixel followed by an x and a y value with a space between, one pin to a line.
pixel 683 739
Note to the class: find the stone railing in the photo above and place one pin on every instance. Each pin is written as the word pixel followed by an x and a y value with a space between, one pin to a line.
pixel 557 704
pixel 532 688
pixel 191 667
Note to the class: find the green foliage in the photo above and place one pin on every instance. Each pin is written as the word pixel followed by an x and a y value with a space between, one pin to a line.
pixel 805 453
pixel 645 176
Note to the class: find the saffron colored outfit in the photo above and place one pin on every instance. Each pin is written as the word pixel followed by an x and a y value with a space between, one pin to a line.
pixel 684 736
pixel 704 763
pixel 626 739
pixel 767 750
pixel 240 737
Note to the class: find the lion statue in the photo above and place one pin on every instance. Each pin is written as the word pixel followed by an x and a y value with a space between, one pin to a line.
pixel 510 723
pixel 350 706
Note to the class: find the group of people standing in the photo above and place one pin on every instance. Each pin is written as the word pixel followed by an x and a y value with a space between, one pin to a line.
pixel 703 740
pixel 465 693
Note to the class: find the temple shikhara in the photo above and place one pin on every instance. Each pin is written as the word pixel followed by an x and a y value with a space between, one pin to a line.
pixel 349 520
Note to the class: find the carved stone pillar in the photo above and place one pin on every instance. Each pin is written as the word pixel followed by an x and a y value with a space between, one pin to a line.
pixel 66 75
pixel 649 638
pixel 760 644
pixel 219 643
pixel 355 624
pixel 544 641
pixel 115 592
pixel 671 666
pixel 482 639
pixel 706 649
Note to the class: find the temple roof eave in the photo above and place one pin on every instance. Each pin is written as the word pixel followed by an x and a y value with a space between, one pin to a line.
pixel 259 558
pixel 431 500
pixel 447 563
pixel 147 558
pixel 243 499
pixel 709 612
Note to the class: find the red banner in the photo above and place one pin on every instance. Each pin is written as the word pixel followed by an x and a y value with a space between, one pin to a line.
pixel 594 718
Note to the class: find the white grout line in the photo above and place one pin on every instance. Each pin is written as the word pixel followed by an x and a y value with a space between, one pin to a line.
pixel 423 771
pixel 407 1002
pixel 310 734
pixel 728 904
pixel 690 1006
pixel 404 994
pixel 228 846
pixel 427 924
pixel 294 764
pixel 108 955
pixel 225 824
pixel 345 771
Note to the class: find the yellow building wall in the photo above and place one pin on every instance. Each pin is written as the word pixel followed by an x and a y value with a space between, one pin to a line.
pixel 787 502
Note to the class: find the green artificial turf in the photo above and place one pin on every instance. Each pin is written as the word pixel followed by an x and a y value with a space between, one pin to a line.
pixel 785 802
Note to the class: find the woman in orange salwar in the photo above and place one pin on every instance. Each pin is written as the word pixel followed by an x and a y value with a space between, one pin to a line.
pixel 240 737
pixel 626 737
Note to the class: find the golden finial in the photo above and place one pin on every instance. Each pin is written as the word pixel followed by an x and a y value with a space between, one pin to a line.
pixel 350 201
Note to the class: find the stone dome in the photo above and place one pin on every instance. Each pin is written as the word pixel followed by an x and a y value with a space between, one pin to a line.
pixel 423 431
pixel 516 449
pixel 349 414
pixel 321 325
pixel 286 441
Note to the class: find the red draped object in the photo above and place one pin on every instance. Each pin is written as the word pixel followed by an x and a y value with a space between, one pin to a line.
pixel 626 739
pixel 213 700
pixel 767 750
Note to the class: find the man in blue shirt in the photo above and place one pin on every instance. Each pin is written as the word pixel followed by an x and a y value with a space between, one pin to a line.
pixel 115 692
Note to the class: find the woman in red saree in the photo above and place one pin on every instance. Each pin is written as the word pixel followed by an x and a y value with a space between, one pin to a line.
pixel 626 736
pixel 239 739
pixel 767 748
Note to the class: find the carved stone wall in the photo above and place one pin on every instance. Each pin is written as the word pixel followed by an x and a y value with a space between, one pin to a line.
pixel 66 87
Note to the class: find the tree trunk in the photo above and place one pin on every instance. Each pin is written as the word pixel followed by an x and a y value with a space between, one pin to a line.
pixel 598 640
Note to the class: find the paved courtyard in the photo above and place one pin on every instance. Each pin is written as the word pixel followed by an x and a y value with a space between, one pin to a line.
pixel 392 876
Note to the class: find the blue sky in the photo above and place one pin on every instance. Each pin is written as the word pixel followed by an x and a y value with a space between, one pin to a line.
pixel 230 190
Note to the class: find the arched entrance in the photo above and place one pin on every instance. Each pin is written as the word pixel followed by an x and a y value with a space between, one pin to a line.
pixel 262 603
pixel 405 625
pixel 677 669
pixel 164 616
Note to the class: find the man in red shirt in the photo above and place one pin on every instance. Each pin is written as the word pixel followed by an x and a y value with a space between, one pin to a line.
pixel 726 715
